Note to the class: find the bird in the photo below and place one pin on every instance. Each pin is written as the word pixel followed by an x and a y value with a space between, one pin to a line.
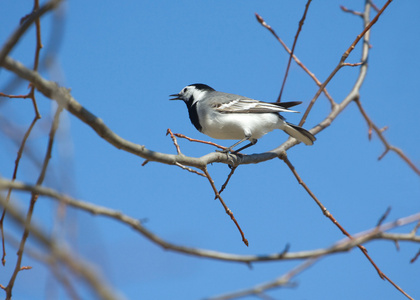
pixel 232 117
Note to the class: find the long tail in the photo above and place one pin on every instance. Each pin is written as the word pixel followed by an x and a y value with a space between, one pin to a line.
pixel 302 135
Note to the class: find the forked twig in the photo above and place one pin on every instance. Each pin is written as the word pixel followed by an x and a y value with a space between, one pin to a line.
pixel 388 147
pixel 168 131
pixel 227 210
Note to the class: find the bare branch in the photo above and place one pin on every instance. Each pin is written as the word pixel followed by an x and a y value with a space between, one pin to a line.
pixel 341 246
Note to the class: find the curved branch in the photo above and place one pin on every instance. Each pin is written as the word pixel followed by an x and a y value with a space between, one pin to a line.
pixel 341 246
pixel 63 97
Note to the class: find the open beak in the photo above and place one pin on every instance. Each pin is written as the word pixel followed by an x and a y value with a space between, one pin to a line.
pixel 176 97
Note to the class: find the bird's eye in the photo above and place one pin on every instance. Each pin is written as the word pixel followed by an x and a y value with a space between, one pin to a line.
pixel 184 90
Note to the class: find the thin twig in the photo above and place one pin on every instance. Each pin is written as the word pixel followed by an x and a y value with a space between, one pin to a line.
pixel 353 65
pixel 15 96
pixel 293 48
pixel 414 231
pixel 227 210
pixel 36 59
pixel 356 13
pixel 384 216
pixel 198 141
pixel 232 170
pixel 374 6
pixel 34 198
pixel 415 257
pixel 189 169
pixel 19 156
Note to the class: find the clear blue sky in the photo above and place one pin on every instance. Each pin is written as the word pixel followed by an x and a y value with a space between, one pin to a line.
pixel 122 60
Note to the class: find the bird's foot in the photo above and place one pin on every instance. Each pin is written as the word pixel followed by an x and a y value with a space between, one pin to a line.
pixel 226 150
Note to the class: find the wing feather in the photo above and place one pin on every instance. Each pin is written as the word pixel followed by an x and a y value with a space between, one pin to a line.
pixel 254 106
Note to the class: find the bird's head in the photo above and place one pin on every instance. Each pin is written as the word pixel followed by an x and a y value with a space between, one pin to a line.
pixel 192 93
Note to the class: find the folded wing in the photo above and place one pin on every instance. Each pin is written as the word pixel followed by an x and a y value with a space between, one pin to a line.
pixel 254 106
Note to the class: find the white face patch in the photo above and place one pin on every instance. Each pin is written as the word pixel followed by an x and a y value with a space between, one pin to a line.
pixel 197 94
pixel 192 94
pixel 186 92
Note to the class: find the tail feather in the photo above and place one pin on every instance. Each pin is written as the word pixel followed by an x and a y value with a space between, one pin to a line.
pixel 302 135
pixel 288 104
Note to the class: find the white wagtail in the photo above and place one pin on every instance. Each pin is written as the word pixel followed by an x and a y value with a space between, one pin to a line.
pixel 233 117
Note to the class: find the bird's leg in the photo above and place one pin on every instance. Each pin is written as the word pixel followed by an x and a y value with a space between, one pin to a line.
pixel 253 142
pixel 227 150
